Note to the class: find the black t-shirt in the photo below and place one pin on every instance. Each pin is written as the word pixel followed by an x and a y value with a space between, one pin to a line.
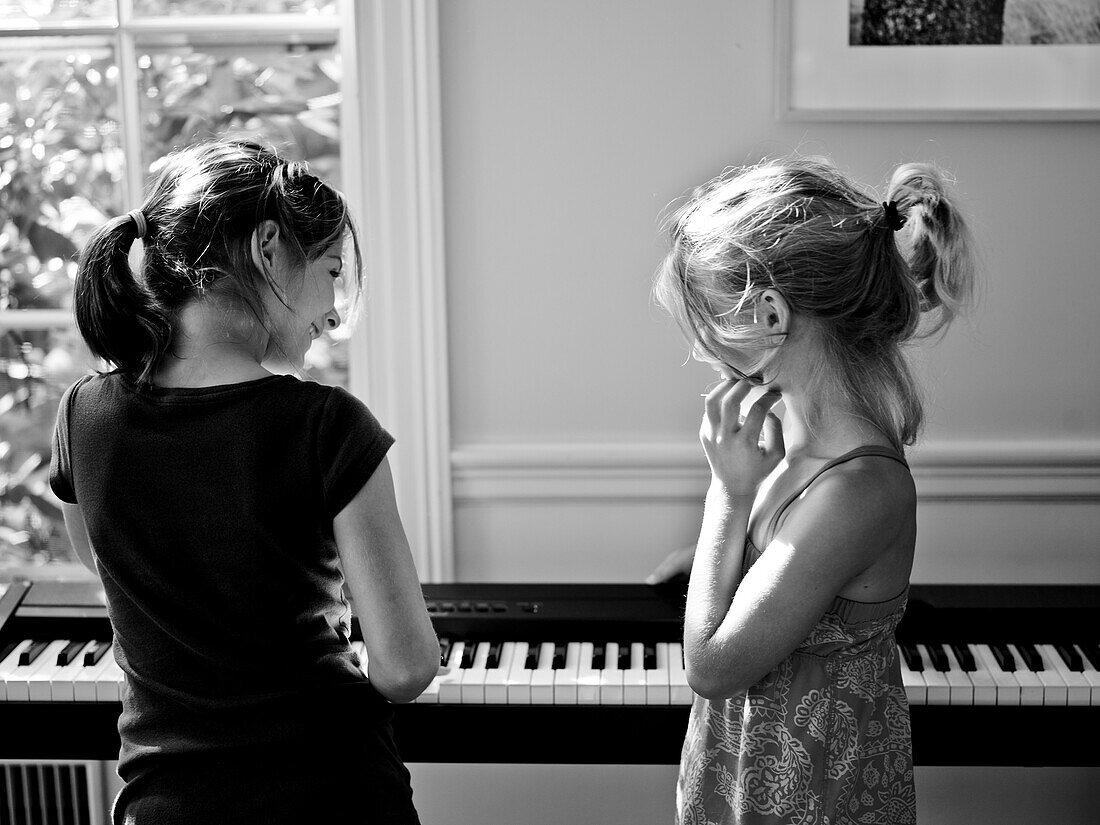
pixel 210 515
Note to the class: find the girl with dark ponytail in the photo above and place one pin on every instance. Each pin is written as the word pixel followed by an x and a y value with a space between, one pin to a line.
pixel 225 505
pixel 792 281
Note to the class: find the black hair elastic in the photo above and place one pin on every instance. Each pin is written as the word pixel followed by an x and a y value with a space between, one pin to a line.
pixel 894 220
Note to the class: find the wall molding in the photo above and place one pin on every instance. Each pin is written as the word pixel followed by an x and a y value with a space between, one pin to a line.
pixel 392 150
pixel 1026 470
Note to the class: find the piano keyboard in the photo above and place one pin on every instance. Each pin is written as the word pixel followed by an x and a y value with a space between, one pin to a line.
pixel 995 675
pixel 609 673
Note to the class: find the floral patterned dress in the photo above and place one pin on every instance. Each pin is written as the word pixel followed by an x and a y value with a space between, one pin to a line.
pixel 821 740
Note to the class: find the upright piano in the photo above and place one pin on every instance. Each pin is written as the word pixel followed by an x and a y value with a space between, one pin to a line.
pixel 593 673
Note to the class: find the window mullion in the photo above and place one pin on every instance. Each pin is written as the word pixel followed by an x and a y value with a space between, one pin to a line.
pixel 129 95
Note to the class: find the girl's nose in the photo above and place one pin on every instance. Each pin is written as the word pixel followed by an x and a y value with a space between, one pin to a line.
pixel 332 319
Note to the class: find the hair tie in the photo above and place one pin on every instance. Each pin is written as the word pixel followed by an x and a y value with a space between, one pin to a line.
pixel 894 220
pixel 139 219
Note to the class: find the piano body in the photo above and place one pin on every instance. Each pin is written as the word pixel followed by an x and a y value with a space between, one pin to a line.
pixel 997 675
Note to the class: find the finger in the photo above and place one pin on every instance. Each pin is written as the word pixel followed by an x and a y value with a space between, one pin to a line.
pixel 754 421
pixel 773 436
pixel 676 562
pixel 724 404
pixel 712 401
pixel 730 409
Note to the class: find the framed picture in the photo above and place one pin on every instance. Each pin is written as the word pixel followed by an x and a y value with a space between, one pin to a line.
pixel 938 59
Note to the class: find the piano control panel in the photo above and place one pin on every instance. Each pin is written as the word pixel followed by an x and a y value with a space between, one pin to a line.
pixel 595 673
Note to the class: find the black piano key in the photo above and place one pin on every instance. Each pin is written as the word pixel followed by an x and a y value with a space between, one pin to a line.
pixel 599 654
pixel 96 653
pixel 649 657
pixel 1071 657
pixel 964 657
pixel 28 656
pixel 494 656
pixel 468 655
pixel 939 657
pixel 1004 657
pixel 1092 653
pixel 532 662
pixel 558 662
pixel 69 653
pixel 444 651
pixel 1030 656
pixel 912 658
pixel 624 655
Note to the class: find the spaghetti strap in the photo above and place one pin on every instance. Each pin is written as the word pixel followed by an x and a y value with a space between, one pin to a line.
pixel 858 452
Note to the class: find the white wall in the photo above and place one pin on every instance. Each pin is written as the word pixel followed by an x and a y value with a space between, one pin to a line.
pixel 568 127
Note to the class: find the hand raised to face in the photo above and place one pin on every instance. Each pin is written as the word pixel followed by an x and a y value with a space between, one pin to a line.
pixel 738 460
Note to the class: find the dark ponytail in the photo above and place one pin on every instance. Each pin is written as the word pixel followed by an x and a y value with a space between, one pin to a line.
pixel 201 211
pixel 119 319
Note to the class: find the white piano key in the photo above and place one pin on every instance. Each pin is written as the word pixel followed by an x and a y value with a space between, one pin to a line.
pixel 473 678
pixel 656 681
pixel 450 683
pixel 430 694
pixel 19 682
pixel 1055 690
pixel 634 676
pixel 1077 687
pixel 916 691
pixel 519 676
pixel 939 689
pixel 108 687
pixel 84 683
pixel 10 663
pixel 611 678
pixel 542 679
pixel 1031 687
pixel 62 684
pixel 1092 676
pixel 985 685
pixel 960 688
pixel 565 679
pixel 38 683
pixel 496 679
pixel 680 692
pixel 1009 691
pixel 588 678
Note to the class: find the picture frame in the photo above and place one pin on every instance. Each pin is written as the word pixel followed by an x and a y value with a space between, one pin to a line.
pixel 820 76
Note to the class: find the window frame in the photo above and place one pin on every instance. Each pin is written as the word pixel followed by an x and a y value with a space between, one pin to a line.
pixel 392 176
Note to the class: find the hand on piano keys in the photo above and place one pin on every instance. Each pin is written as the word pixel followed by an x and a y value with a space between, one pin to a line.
pixel 1001 674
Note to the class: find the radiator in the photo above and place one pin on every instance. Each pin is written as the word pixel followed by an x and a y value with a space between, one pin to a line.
pixel 52 793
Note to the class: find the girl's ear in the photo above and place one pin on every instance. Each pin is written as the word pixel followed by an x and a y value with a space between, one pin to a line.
pixel 773 313
pixel 265 239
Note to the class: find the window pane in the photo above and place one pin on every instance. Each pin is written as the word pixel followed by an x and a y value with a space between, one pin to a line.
pixel 61 163
pixel 283 94
pixel 36 367
pixel 17 14
pixel 172 7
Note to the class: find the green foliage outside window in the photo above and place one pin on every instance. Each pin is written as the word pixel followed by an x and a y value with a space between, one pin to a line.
pixel 62 173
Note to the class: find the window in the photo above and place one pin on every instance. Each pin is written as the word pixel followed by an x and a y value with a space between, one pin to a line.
pixel 92 93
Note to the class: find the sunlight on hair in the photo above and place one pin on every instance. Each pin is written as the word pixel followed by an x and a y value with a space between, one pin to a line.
pixel 189 185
